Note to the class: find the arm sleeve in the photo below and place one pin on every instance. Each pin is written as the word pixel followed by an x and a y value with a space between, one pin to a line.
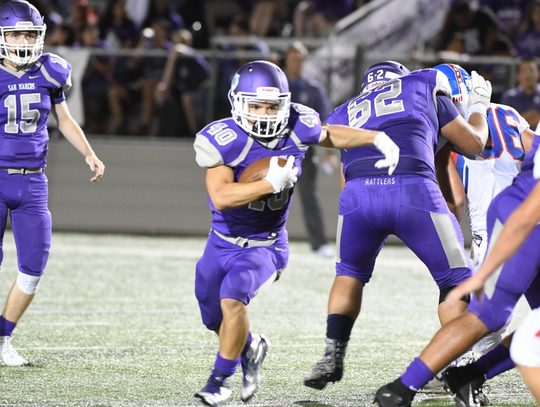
pixel 58 96
pixel 446 111
pixel 207 155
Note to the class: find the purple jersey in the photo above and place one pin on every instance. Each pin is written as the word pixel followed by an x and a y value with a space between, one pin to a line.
pixel 224 143
pixel 26 100
pixel 519 274
pixel 405 108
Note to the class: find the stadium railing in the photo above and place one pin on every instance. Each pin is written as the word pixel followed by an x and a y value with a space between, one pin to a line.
pixel 339 72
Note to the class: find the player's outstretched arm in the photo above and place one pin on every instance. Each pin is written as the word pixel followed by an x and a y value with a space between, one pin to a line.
pixel 227 194
pixel 516 229
pixel 344 137
pixel 74 134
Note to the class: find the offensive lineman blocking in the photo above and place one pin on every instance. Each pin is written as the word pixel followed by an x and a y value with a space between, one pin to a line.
pixel 411 108
pixel 32 84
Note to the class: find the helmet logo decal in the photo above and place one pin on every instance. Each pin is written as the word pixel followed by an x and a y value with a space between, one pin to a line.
pixel 24 24
pixel 267 90
pixel 373 85
pixel 456 70
pixel 235 81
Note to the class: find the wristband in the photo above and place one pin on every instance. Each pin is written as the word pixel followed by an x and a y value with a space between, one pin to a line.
pixel 478 108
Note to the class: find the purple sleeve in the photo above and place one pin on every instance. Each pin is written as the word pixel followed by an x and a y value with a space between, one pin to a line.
pixel 446 111
pixel 58 96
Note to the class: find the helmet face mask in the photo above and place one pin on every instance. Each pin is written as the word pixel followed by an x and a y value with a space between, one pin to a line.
pixel 20 17
pixel 256 83
pixel 460 82
pixel 382 72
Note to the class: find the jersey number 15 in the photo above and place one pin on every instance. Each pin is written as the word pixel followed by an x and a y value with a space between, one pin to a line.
pixel 10 103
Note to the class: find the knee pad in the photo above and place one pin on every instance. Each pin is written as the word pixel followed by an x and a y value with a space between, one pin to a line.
pixel 28 284
pixel 444 292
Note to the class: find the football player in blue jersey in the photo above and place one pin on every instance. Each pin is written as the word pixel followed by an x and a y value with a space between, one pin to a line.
pixel 412 108
pixel 247 248
pixel 32 85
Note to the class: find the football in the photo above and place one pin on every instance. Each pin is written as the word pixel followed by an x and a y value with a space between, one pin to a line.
pixel 257 170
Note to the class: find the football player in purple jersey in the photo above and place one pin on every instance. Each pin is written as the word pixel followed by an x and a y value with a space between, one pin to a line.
pixel 247 248
pixel 525 343
pixel 480 179
pixel 509 271
pixel 412 108
pixel 32 85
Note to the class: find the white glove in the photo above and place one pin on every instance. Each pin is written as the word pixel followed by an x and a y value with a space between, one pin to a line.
pixel 282 177
pixel 536 163
pixel 480 95
pixel 385 145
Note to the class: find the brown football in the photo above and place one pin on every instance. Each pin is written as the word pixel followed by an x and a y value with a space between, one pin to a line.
pixel 257 170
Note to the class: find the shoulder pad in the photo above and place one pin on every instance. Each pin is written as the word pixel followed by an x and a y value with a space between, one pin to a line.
pixel 305 123
pixel 522 123
pixel 56 70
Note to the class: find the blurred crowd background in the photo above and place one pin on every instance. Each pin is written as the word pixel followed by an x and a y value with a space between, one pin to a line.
pixel 163 68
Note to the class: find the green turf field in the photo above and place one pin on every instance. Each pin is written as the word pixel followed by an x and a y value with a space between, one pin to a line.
pixel 116 323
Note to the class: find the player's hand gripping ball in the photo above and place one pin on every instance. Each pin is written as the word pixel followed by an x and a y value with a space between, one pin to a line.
pixel 257 170
pixel 270 169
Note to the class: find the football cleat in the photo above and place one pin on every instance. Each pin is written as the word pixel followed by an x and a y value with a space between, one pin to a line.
pixel 330 368
pixel 9 355
pixel 217 390
pixel 468 389
pixel 251 366
pixel 394 394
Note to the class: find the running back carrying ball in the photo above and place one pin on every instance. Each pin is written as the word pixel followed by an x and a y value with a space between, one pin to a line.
pixel 257 170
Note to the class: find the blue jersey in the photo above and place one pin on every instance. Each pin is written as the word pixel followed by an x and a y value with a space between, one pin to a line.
pixel 26 98
pixel 494 169
pixel 404 108
pixel 223 142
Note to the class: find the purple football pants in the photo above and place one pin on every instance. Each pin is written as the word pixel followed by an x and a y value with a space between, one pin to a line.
pixel 518 276
pixel 229 271
pixel 410 207
pixel 25 196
